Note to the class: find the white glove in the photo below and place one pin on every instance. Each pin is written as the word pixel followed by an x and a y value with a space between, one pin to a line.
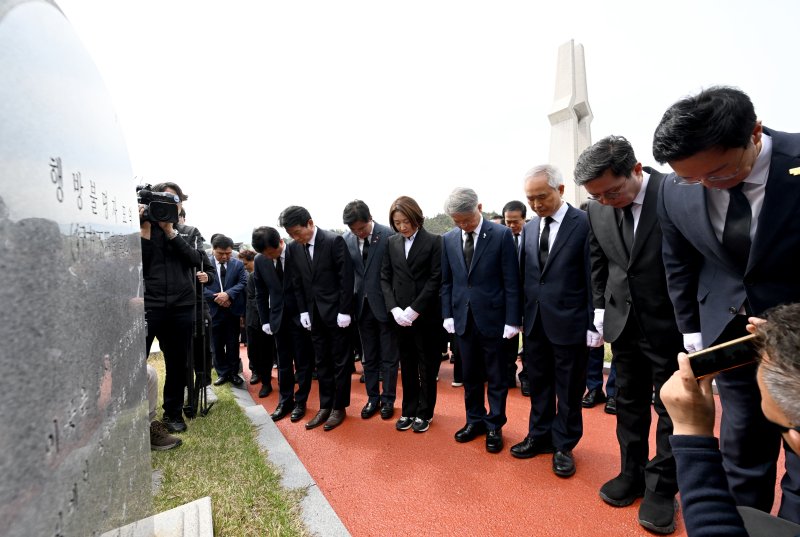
pixel 410 315
pixel 599 315
pixel 305 320
pixel 593 339
pixel 449 325
pixel 693 342
pixel 267 330
pixel 399 318
pixel 510 331
pixel 343 320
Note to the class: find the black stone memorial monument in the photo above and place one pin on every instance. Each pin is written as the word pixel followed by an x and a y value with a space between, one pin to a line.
pixel 74 435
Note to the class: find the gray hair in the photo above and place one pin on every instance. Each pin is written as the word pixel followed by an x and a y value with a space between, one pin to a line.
pixel 554 177
pixel 461 200
pixel 779 339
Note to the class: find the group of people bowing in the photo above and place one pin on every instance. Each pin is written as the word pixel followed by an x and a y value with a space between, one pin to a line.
pixel 658 264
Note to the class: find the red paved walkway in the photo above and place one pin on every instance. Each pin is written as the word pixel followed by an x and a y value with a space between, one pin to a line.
pixel 383 482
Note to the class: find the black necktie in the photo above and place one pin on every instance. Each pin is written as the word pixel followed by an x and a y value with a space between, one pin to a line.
pixel 544 242
pixel 627 227
pixel 222 272
pixel 516 243
pixel 365 250
pixel 736 234
pixel 307 249
pixel 279 269
pixel 469 249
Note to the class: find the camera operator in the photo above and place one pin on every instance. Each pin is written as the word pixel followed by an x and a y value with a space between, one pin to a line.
pixel 708 506
pixel 168 263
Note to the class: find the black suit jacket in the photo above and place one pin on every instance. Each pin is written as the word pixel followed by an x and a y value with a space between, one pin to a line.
pixel 560 292
pixel 620 280
pixel 368 275
pixel 327 284
pixel 705 286
pixel 414 281
pixel 276 301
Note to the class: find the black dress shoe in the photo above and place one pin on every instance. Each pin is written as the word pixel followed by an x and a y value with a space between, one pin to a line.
pixel 470 431
pixel 563 463
pixel 335 419
pixel 221 380
pixel 494 441
pixel 321 417
pixel 525 388
pixel 369 410
pixel 236 380
pixel 611 405
pixel 281 411
pixel 622 490
pixel 387 411
pixel 298 412
pixel 530 448
pixel 255 378
pixel 265 390
pixel 657 512
pixel 592 398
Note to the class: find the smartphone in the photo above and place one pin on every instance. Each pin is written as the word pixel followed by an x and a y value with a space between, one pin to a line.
pixel 728 355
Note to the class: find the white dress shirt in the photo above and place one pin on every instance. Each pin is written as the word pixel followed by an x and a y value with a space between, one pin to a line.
pixel 555 225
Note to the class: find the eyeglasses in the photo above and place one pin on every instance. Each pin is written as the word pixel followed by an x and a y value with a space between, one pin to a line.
pixel 610 194
pixel 678 180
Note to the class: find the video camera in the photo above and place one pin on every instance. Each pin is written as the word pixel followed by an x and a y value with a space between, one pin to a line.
pixel 158 206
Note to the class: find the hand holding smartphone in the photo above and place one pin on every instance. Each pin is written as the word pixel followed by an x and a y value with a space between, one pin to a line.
pixel 728 355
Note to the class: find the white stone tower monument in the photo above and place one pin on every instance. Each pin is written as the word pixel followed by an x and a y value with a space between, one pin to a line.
pixel 570 117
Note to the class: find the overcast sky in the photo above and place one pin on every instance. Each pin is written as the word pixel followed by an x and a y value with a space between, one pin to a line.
pixel 254 105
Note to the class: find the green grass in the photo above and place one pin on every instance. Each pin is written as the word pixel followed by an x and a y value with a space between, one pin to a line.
pixel 221 458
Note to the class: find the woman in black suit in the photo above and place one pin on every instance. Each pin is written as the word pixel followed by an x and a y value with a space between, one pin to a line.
pixel 410 281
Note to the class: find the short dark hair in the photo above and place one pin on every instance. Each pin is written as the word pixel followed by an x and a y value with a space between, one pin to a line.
pixel 221 242
pixel 515 205
pixel 265 237
pixel 294 215
pixel 162 187
pixel 182 213
pixel 409 208
pixel 613 153
pixel 779 339
pixel 718 117
pixel 356 211
pixel 247 255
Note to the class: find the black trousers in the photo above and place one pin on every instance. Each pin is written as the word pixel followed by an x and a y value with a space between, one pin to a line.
pixel 295 362
pixel 510 350
pixel 750 444
pixel 334 363
pixel 173 328
pixel 260 353
pixel 225 340
pixel 482 360
pixel 557 375
pixel 640 368
pixel 379 356
pixel 420 358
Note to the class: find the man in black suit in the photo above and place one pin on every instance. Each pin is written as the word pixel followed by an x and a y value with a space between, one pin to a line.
pixel 557 323
pixel 633 312
pixel 730 216
pixel 366 242
pixel 227 299
pixel 277 307
pixel 480 303
pixel 514 213
pixel 323 282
